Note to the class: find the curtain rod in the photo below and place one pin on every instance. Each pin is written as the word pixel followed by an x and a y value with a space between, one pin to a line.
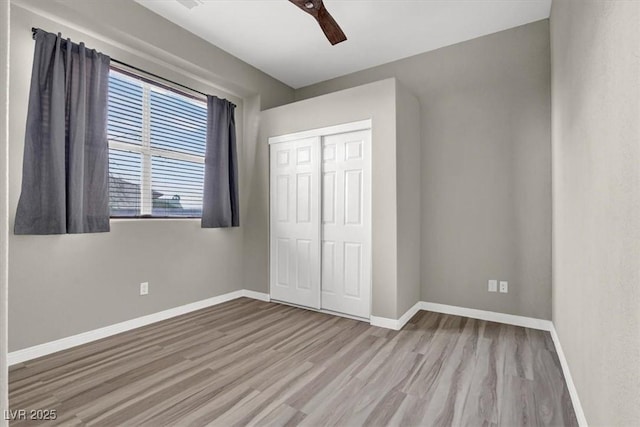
pixel 34 30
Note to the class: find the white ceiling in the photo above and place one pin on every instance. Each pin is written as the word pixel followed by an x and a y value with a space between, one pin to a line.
pixel 286 43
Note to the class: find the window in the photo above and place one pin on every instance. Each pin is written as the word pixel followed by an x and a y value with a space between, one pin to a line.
pixel 157 140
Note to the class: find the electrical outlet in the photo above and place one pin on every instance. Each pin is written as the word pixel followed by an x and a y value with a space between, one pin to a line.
pixel 504 286
pixel 493 285
pixel 144 288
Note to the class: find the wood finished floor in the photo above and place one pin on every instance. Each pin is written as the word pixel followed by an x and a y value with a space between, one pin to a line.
pixel 248 362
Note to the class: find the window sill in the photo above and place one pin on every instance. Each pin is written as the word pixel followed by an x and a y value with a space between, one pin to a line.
pixel 154 219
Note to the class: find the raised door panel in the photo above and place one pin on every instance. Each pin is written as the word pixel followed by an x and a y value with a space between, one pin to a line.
pixel 353 197
pixel 329 267
pixel 282 198
pixel 329 197
pixel 303 198
pixel 353 270
pixel 282 262
pixel 304 266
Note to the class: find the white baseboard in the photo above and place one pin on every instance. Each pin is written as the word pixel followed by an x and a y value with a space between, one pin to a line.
pixel 395 324
pixel 384 322
pixel 34 352
pixel 573 392
pixel 256 295
pixel 492 316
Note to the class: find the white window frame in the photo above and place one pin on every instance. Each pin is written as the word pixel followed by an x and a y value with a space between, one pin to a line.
pixel 146 151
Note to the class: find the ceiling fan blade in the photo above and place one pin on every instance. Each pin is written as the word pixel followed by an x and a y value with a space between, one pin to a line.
pixel 329 26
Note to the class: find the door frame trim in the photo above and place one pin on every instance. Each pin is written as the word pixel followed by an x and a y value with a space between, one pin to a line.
pixel 324 131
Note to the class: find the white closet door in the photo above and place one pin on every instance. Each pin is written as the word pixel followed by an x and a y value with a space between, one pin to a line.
pixel 346 223
pixel 295 222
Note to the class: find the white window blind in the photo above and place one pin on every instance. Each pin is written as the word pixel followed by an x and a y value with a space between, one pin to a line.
pixel 157 140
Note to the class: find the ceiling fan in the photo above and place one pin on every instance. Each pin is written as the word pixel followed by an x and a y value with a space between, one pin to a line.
pixel 329 26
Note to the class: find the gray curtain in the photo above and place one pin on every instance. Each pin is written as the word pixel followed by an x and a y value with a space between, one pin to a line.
pixel 65 176
pixel 220 200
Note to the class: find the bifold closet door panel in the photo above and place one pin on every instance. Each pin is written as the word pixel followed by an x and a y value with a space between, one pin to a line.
pixel 346 223
pixel 295 222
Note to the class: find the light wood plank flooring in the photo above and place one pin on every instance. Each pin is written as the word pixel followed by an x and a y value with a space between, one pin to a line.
pixel 248 362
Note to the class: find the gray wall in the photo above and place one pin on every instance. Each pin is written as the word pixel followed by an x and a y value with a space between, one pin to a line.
pixel 376 101
pixel 486 167
pixel 4 196
pixel 64 285
pixel 409 198
pixel 596 202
